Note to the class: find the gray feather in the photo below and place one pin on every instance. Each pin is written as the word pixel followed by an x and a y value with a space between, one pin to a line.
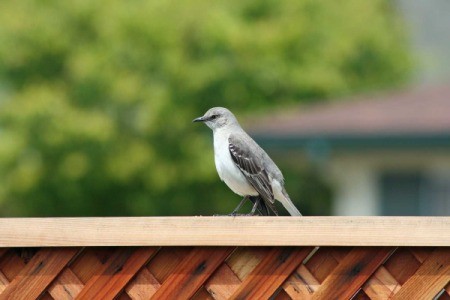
pixel 250 165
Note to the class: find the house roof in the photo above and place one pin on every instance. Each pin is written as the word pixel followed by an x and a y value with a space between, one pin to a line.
pixel 420 113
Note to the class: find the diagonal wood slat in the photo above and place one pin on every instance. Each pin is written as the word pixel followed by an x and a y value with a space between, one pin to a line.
pixel 143 286
pixel 245 259
pixel 3 251
pixel 11 264
pixel 271 272
pixel 66 286
pixel 382 285
pixel 402 265
pixel 122 266
pixel 3 282
pixel 223 283
pixel 38 273
pixel 227 279
pixel 352 272
pixel 86 265
pixel 192 272
pixel 202 294
pixel 281 295
pixel 125 273
pixel 166 260
pixel 429 279
pixel 302 284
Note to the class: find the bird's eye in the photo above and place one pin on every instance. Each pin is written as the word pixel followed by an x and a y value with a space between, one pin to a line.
pixel 214 117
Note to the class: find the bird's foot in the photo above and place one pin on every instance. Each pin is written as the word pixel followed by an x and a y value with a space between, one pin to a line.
pixel 233 214
pixel 229 215
pixel 237 215
pixel 251 215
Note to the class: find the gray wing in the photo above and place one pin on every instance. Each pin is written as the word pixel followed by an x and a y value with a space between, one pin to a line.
pixel 252 168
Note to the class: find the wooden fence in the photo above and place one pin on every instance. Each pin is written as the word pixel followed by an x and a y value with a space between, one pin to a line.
pixel 225 258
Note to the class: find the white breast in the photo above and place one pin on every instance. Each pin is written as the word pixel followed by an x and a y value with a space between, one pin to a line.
pixel 228 171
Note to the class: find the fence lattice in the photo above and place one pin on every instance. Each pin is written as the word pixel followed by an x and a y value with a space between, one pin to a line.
pixel 225 273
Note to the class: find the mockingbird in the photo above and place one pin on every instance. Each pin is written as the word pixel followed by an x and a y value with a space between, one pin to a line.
pixel 245 166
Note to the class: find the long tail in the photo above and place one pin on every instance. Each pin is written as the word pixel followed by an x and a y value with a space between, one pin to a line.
pixel 290 207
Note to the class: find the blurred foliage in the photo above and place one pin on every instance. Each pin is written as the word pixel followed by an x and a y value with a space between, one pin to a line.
pixel 97 97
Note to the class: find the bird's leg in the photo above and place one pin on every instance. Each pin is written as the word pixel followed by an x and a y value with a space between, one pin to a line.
pixel 235 211
pixel 255 206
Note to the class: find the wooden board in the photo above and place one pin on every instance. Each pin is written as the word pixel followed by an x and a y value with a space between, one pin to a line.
pixel 225 231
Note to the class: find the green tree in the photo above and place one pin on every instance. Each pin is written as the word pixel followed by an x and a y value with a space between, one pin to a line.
pixel 96 97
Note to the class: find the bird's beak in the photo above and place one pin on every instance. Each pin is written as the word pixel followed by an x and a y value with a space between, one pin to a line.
pixel 201 119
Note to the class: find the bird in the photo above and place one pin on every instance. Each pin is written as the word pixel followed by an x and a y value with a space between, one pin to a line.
pixel 244 166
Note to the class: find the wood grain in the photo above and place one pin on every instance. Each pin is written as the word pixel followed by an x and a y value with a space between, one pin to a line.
pixel 3 282
pixel 38 273
pixel 225 231
pixel 143 286
pixel 245 259
pixel 3 251
pixel 382 285
pixel 351 273
pixel 167 259
pixel 192 272
pixel 402 265
pixel 302 284
pixel 66 286
pixel 116 273
pixel 271 272
pixel 430 278
pixel 200 273
pixel 223 283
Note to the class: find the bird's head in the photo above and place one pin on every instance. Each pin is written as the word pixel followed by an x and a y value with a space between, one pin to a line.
pixel 217 117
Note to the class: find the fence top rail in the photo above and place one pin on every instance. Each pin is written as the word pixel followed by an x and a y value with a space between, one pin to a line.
pixel 225 231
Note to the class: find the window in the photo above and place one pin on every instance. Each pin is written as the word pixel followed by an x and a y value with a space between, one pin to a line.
pixel 401 193
pixel 437 196
pixel 414 194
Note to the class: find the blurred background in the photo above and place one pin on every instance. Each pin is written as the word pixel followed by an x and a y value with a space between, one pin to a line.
pixel 350 98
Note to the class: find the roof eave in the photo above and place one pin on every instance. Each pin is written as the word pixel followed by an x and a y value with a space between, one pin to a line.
pixel 410 141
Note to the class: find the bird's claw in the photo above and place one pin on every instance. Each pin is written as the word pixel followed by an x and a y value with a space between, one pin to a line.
pixel 233 214
pixel 229 215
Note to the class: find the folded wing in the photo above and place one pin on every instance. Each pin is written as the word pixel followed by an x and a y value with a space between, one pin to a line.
pixel 252 169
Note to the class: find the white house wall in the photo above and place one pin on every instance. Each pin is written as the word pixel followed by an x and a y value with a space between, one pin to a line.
pixel 355 176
